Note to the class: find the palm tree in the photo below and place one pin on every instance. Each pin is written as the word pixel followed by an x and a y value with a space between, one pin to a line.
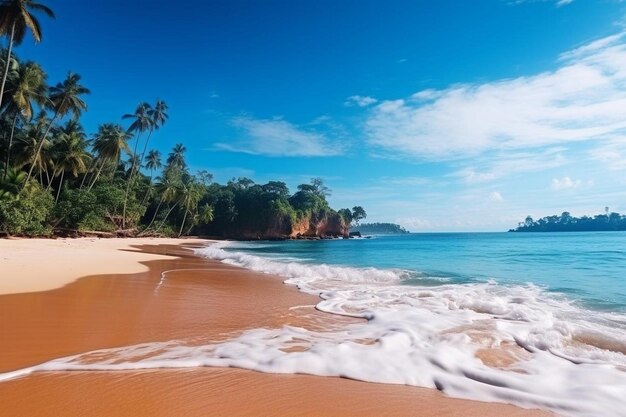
pixel 108 144
pixel 70 151
pixel 15 19
pixel 203 214
pixel 28 143
pixel 64 98
pixel 176 158
pixel 169 187
pixel 158 116
pixel 11 185
pixel 142 123
pixel 29 88
pixel 190 195
pixel 11 70
pixel 153 161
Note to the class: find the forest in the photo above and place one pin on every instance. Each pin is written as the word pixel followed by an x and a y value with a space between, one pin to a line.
pixel 57 179
pixel 568 223
pixel 380 228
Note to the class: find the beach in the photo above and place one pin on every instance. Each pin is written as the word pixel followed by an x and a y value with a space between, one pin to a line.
pixel 66 297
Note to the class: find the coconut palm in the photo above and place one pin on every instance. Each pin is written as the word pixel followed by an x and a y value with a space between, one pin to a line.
pixel 108 144
pixel 65 98
pixel 176 158
pixel 11 70
pixel 70 152
pixel 190 195
pixel 203 214
pixel 11 184
pixel 158 116
pixel 153 162
pixel 169 187
pixel 142 123
pixel 16 17
pixel 29 88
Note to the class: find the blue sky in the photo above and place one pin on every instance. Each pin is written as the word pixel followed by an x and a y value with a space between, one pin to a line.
pixel 439 115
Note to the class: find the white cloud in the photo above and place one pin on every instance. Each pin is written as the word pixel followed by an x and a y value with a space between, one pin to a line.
pixel 278 137
pixel 499 165
pixel 583 100
pixel 495 197
pixel 360 101
pixel 612 155
pixel 559 3
pixel 566 183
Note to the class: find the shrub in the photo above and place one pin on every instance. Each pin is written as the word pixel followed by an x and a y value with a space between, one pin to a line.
pixel 29 213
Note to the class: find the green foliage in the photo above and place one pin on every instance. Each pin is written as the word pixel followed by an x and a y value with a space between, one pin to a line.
pixel 381 228
pixel 53 175
pixel 358 214
pixel 568 223
pixel 28 214
pixel 97 209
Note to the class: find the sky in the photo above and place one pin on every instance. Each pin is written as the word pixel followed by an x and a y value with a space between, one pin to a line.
pixel 437 115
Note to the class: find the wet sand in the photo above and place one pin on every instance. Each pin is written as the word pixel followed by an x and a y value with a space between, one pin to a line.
pixel 198 299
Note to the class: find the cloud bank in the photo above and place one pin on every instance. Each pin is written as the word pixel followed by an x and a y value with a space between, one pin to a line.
pixel 582 100
pixel 278 137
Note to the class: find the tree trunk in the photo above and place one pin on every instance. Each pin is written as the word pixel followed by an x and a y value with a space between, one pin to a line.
pixel 130 179
pixel 145 197
pixel 7 63
pixel 145 146
pixel 92 165
pixel 96 177
pixel 60 186
pixel 166 216
pixel 43 139
pixel 180 232
pixel 155 214
pixel 54 174
pixel 6 167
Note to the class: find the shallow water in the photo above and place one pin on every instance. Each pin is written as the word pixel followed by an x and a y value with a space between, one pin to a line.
pixel 590 267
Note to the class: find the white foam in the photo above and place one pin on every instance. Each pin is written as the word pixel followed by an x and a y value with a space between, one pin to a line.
pixel 421 336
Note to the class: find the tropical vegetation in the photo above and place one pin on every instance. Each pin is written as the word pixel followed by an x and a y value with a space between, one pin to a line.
pixel 380 229
pixel 609 221
pixel 56 178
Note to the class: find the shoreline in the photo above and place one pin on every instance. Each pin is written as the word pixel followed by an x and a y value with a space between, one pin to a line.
pixel 201 298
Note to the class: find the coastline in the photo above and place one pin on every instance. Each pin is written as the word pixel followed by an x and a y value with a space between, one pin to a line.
pixel 126 303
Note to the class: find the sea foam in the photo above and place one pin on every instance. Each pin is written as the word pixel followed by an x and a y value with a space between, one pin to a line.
pixel 480 341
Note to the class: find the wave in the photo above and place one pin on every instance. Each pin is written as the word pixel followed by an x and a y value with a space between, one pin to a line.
pixel 480 341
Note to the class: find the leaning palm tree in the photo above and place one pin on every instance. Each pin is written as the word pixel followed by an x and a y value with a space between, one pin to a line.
pixel 108 144
pixel 12 74
pixel 70 152
pixel 190 195
pixel 65 98
pixel 29 88
pixel 142 122
pixel 158 116
pixel 153 162
pixel 169 187
pixel 15 19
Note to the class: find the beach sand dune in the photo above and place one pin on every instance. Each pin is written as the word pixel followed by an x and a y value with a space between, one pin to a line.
pixel 152 290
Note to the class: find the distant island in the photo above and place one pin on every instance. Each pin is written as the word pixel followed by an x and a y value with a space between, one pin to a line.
pixel 380 229
pixel 568 223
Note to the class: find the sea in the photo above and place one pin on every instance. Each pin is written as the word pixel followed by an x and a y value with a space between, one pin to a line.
pixel 533 319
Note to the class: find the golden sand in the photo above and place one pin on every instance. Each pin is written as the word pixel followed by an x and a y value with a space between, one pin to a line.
pixel 200 299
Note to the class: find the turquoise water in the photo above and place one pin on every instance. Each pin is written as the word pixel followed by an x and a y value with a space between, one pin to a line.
pixel 589 267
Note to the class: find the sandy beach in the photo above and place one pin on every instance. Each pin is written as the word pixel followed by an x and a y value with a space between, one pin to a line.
pixel 64 297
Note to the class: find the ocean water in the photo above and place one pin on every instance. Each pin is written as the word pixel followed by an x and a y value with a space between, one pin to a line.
pixel 587 267
pixel 536 320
